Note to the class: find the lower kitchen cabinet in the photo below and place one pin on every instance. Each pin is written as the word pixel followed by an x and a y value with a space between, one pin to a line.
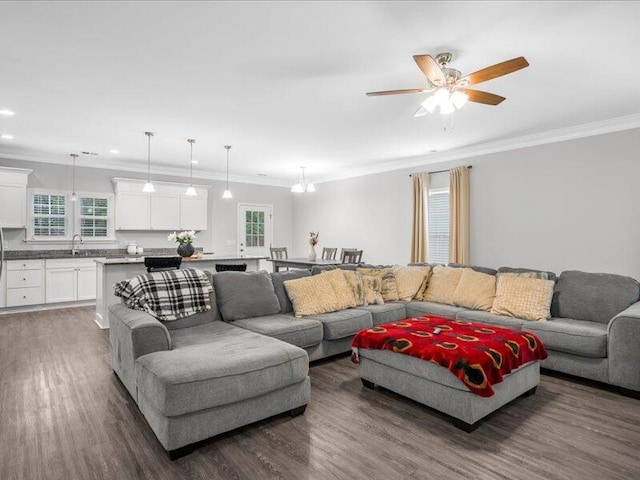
pixel 70 280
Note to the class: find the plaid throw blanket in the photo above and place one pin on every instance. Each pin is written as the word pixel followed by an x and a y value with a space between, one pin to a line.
pixel 168 295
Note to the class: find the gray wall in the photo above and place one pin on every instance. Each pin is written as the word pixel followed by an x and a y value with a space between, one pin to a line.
pixel 220 237
pixel 567 205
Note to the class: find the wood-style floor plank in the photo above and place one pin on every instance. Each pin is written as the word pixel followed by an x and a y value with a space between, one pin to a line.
pixel 64 415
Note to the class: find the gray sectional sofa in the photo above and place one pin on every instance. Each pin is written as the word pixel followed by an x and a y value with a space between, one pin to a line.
pixel 247 359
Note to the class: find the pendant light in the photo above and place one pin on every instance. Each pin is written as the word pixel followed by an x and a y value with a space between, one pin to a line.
pixel 227 192
pixel 74 197
pixel 190 190
pixel 303 185
pixel 148 187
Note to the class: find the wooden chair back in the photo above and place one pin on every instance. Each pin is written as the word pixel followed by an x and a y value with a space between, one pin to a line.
pixel 279 253
pixel 329 253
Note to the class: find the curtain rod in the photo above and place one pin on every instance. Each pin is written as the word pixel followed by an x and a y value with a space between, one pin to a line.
pixel 442 171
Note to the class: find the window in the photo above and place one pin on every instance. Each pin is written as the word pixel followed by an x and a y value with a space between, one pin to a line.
pixel 53 216
pixel 49 213
pixel 438 226
pixel 255 229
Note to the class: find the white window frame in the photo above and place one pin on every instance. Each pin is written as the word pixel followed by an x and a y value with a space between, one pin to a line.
pixel 72 217
pixel 436 191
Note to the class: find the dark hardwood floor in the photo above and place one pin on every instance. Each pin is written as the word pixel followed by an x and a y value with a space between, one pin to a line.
pixel 64 415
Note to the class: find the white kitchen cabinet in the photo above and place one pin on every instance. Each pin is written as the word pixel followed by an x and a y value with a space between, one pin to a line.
pixel 133 211
pixel 193 213
pixel 70 280
pixel 24 282
pixel 13 197
pixel 165 211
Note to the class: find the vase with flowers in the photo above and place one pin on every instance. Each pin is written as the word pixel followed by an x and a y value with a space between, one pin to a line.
pixel 313 241
pixel 185 239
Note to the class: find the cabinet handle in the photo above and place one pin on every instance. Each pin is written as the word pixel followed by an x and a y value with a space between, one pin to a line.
pixel 24 296
pixel 24 279
pixel 24 264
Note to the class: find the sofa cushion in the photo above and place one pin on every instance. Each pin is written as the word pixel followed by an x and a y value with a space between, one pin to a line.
pixel 389 312
pixel 578 337
pixel 300 332
pixel 245 295
pixel 596 297
pixel 442 285
pixel 344 323
pixel 416 308
pixel 217 364
pixel 388 279
pixel 475 290
pixel 409 279
pixel 341 287
pixel 539 273
pixel 492 319
pixel 278 280
pixel 198 318
pixel 475 268
pixel 372 290
pixel 522 297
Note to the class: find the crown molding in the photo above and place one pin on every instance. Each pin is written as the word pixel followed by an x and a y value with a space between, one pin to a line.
pixel 591 129
pixel 160 170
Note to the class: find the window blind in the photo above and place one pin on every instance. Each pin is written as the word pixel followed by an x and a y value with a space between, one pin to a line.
pixel 438 227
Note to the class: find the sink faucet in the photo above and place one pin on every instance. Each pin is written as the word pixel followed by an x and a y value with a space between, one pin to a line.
pixel 74 250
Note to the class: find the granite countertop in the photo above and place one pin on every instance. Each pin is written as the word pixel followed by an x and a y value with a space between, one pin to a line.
pixel 203 258
pixel 82 253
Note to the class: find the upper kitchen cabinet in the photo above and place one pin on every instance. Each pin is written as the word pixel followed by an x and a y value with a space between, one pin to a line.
pixel 165 209
pixel 13 197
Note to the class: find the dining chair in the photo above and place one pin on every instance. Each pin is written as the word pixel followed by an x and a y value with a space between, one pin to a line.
pixel 329 253
pixel 351 256
pixel 279 253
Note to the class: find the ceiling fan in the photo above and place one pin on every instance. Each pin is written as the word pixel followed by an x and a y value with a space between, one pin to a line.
pixel 450 86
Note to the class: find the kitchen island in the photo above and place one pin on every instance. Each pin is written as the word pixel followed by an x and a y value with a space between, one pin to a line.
pixel 112 270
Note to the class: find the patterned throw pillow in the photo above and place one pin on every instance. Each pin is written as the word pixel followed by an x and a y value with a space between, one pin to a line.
pixel 475 290
pixel 538 275
pixel 312 295
pixel 442 285
pixel 388 280
pixel 409 280
pixel 522 297
pixel 372 287
pixel 344 294
pixel 354 280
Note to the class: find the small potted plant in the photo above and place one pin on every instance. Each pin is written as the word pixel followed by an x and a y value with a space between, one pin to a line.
pixel 313 241
pixel 185 239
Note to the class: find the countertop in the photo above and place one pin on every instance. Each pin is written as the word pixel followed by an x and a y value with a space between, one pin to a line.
pixel 202 258
pixel 82 253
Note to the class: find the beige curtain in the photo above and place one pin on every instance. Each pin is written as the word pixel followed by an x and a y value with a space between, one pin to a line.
pixel 419 237
pixel 459 221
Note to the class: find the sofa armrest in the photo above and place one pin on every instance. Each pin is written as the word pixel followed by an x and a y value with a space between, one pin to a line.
pixel 624 348
pixel 133 333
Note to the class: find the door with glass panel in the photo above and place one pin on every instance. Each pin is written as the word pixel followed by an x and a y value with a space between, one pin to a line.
pixel 255 226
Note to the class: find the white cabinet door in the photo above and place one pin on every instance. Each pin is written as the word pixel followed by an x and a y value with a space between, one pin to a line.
pixel 132 211
pixel 13 206
pixel 60 285
pixel 193 213
pixel 86 281
pixel 165 211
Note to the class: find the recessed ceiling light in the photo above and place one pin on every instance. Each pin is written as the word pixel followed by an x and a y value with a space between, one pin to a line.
pixel 194 161
pixel 7 113
pixel 114 151
pixel 6 136
pixel 261 174
pixel 433 151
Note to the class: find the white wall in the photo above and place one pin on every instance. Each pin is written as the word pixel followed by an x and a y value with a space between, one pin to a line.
pixel 568 205
pixel 220 237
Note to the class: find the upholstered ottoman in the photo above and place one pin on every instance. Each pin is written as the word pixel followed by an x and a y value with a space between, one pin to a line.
pixel 434 385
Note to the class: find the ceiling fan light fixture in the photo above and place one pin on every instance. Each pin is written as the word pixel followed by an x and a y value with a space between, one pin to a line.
pixel 311 188
pixel 303 185
pixel 446 108
pixel 459 99
pixel 429 105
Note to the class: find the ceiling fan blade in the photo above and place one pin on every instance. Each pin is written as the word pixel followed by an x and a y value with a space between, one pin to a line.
pixel 495 71
pixel 430 68
pixel 482 97
pixel 396 92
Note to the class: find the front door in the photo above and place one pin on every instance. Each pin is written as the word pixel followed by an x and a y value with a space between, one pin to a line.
pixel 255 227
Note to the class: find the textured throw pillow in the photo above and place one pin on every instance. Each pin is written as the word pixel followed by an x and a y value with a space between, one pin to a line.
pixel 475 290
pixel 312 295
pixel 409 280
pixel 372 287
pixel 522 297
pixel 388 280
pixel 354 280
pixel 342 289
pixel 442 285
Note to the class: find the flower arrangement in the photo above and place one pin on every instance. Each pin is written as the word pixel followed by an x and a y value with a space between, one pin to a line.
pixel 183 238
pixel 313 238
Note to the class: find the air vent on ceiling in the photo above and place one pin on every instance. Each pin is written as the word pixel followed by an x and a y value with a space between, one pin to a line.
pixel 90 153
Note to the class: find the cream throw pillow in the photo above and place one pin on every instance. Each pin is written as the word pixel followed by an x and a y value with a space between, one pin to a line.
pixel 372 287
pixel 344 294
pixel 409 279
pixel 354 282
pixel 442 285
pixel 475 290
pixel 388 280
pixel 522 297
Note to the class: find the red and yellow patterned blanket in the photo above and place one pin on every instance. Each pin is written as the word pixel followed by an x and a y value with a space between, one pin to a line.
pixel 478 354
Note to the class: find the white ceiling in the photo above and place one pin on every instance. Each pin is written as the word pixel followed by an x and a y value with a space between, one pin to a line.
pixel 285 82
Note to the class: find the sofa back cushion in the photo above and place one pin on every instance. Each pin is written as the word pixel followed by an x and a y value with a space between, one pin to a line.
pixel 442 285
pixel 245 295
pixel 596 297
pixel 198 318
pixel 475 268
pixel 278 280
pixel 410 279
pixel 328 292
pixel 540 274
pixel 388 279
pixel 475 290
pixel 523 297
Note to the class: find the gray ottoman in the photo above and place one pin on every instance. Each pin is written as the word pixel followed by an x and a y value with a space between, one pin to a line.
pixel 438 388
